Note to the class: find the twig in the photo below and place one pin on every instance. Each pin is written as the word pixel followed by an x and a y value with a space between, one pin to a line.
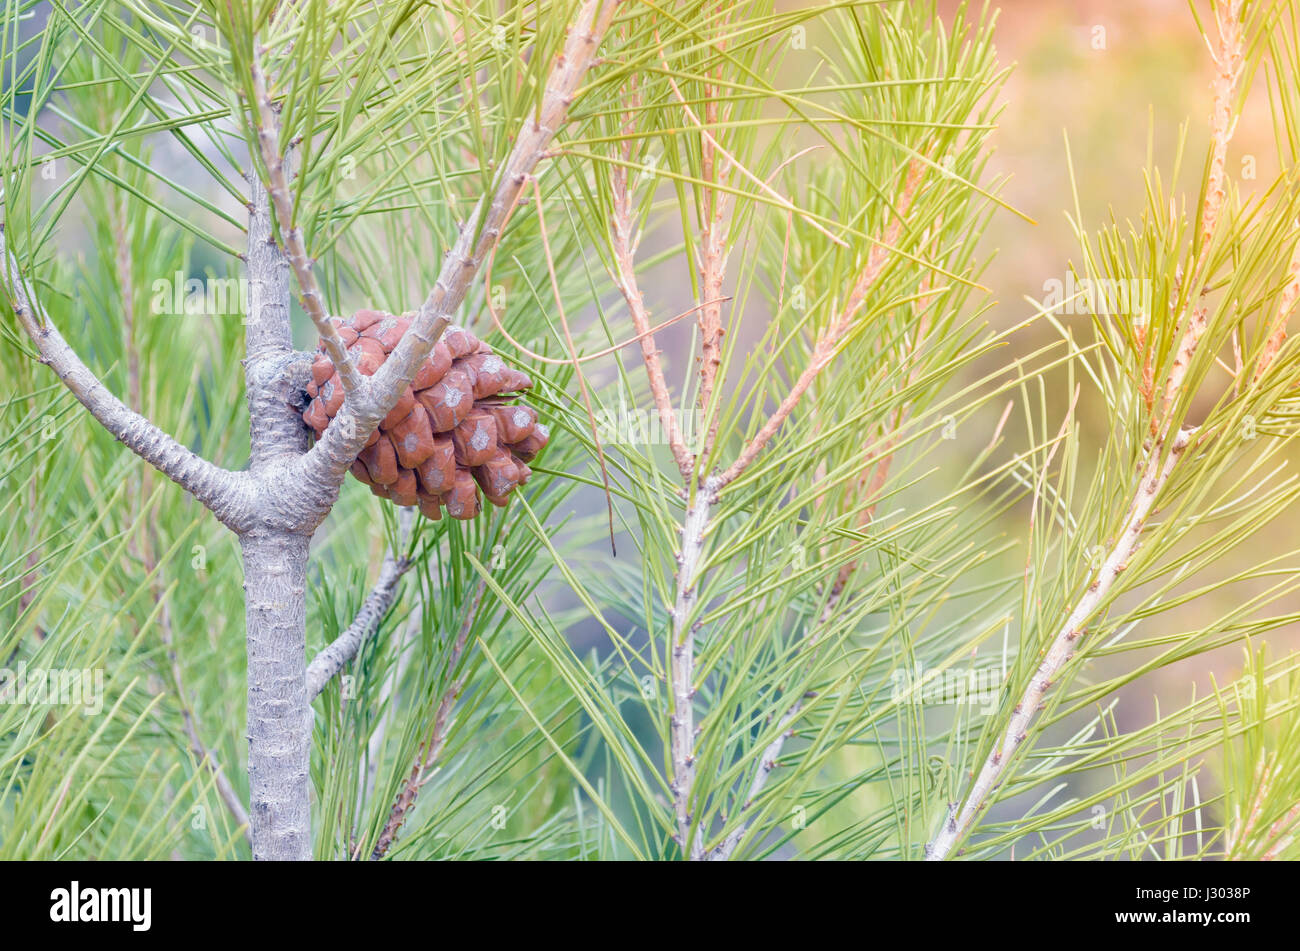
pixel 1061 649
pixel 767 762
pixel 1229 59
pixel 431 749
pixel 625 277
pixel 780 200
pixel 829 340
pixel 268 138
pixel 323 468
pixel 1241 830
pixel 332 658
pixel 1290 297
pixel 392 681
pixel 715 227
pixel 880 461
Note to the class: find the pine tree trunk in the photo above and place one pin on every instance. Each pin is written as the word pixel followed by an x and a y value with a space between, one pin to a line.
pixel 279 715
pixel 275 561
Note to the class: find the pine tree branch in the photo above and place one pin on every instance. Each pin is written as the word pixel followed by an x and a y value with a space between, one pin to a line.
pixel 275 375
pixel 431 749
pixel 829 340
pixel 336 655
pixel 323 468
pixel 1277 839
pixel 624 247
pixel 268 138
pixel 1060 650
pixel 1280 842
pixel 681 661
pixel 1240 830
pixel 682 655
pixel 225 493
pixel 781 201
pixel 1162 457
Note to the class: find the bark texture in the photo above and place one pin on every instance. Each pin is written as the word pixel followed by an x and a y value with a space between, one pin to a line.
pixel 275 558
pixel 221 491
pixel 279 713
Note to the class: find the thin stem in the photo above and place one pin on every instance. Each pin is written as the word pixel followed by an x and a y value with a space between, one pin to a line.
pixel 715 230
pixel 1290 297
pixel 1229 61
pixel 431 749
pixel 767 762
pixel 1060 650
pixel 268 138
pixel 624 248
pixel 336 655
pixel 828 342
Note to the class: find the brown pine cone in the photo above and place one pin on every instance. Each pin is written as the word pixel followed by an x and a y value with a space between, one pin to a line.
pixel 453 431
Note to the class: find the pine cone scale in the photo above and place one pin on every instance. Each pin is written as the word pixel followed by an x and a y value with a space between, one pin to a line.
pixel 453 432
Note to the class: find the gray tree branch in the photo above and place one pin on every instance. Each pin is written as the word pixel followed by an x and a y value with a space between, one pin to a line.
pixel 324 467
pixel 332 659
pixel 225 493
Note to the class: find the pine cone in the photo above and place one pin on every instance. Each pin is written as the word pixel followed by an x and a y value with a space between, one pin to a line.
pixel 453 431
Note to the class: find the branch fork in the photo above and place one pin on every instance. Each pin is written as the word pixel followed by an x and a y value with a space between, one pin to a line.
pixel 275 506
